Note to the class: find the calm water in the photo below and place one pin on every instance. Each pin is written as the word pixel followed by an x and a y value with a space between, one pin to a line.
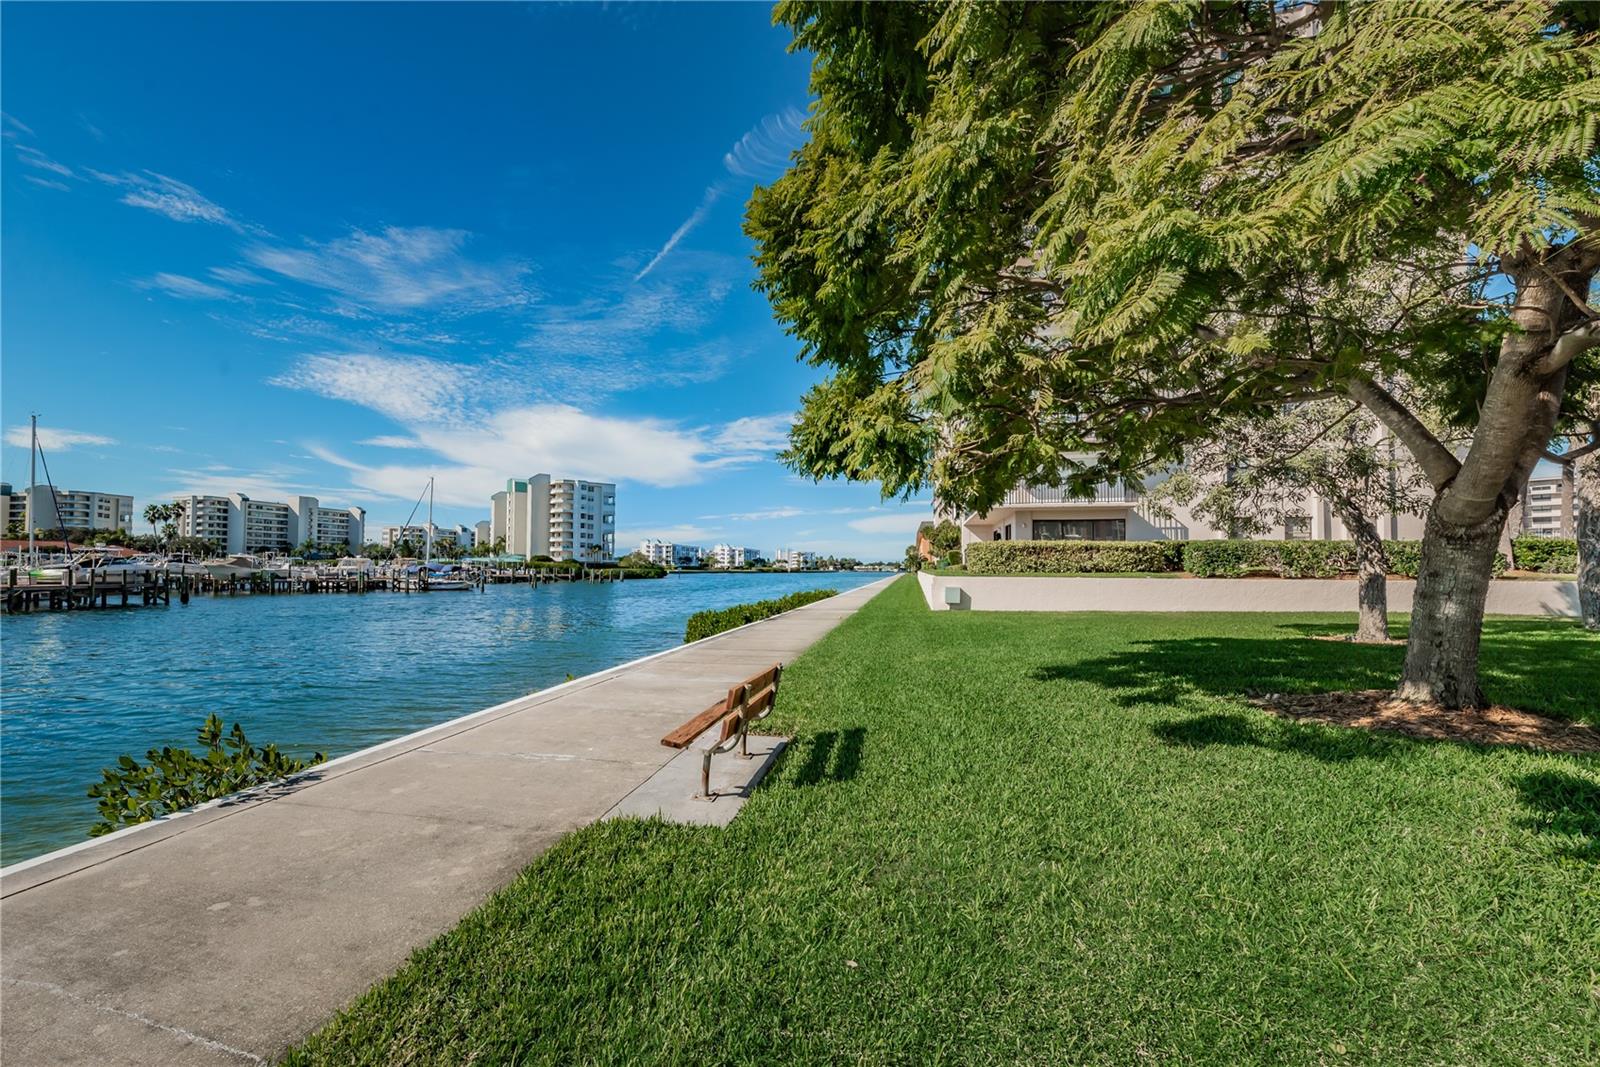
pixel 331 673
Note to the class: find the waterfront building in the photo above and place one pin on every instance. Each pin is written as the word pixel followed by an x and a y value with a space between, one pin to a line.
pixel 481 534
pixel 417 536
pixel 730 556
pixel 239 523
pixel 563 518
pixel 69 509
pixel 794 559
pixel 1548 507
pixel 669 554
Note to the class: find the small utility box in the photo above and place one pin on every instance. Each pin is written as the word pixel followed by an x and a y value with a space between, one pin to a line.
pixel 952 595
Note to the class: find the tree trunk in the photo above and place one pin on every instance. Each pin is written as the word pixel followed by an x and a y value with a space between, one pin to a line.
pixel 1372 579
pixel 1447 612
pixel 1586 485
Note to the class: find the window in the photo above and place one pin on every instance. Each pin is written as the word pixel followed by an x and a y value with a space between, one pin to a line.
pixel 1080 529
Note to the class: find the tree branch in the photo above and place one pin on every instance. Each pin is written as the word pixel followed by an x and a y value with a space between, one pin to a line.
pixel 1569 346
pixel 1436 461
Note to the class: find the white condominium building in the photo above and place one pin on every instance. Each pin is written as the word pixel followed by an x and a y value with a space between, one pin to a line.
pixel 69 509
pixel 240 524
pixel 563 518
pixel 480 534
pixel 728 556
pixel 795 560
pixel 1548 508
pixel 417 536
pixel 669 554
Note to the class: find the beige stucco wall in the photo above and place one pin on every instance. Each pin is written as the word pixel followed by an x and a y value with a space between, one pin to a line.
pixel 1046 593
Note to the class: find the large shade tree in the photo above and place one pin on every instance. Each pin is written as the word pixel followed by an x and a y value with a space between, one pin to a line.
pixel 1020 233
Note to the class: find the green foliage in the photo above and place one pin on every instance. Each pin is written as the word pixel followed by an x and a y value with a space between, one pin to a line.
pixel 1074 557
pixel 176 778
pixel 1297 559
pixel 945 537
pixel 1551 555
pixel 703 624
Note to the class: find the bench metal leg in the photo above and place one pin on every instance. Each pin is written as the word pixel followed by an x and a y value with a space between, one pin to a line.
pixel 705 776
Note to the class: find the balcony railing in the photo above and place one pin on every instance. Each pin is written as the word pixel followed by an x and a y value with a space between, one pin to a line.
pixel 1045 494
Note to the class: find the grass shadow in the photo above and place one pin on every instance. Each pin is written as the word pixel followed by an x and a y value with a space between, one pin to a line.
pixel 832 756
pixel 1565 805
pixel 1318 742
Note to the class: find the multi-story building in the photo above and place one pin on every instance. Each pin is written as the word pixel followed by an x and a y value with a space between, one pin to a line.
pixel 670 554
pixel 417 536
pixel 729 556
pixel 481 534
pixel 1119 513
pixel 563 518
pixel 794 559
pixel 239 523
pixel 1548 508
pixel 68 509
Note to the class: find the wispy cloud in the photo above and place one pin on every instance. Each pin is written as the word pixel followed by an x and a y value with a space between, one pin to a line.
pixel 184 287
pixel 56 439
pixel 401 269
pixel 763 153
pixel 391 441
pixel 408 389
pixel 178 201
pixel 32 157
pixel 753 438
pixel 236 276
pixel 901 522
pixel 678 533
pixel 14 126
pixel 48 183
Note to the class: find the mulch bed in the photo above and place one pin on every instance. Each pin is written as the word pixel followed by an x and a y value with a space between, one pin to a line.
pixel 1378 709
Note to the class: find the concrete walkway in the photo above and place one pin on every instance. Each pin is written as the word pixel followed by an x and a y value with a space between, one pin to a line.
pixel 226 935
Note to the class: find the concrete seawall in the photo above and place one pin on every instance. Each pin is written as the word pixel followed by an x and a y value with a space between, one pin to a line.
pixel 958 592
pixel 227 934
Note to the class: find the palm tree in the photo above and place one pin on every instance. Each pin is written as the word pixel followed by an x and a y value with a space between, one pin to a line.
pixel 155 515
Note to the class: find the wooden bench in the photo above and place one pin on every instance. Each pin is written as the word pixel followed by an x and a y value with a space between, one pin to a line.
pixel 750 701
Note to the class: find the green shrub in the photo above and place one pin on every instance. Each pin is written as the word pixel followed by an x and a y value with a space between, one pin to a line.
pixel 1297 559
pixel 1074 557
pixel 175 778
pixel 1549 555
pixel 703 624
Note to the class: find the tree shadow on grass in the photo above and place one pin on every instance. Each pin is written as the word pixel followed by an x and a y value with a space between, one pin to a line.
pixel 1525 665
pixel 1566 805
pixel 832 756
pixel 1319 742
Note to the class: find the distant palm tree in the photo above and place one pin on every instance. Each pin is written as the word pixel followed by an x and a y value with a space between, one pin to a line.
pixel 155 515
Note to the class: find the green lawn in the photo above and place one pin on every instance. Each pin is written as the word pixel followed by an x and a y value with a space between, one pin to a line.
pixel 1059 839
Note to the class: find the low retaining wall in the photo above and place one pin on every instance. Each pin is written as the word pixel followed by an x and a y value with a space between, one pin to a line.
pixel 959 592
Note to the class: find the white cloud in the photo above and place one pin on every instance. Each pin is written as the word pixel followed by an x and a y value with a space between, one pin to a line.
pixel 904 522
pixel 766 515
pixel 763 153
pixel 391 441
pixel 753 438
pixel 14 125
pixel 184 287
pixel 401 269
pixel 405 388
pixel 236 276
pixel 32 157
pixel 177 200
pixel 49 183
pixel 55 439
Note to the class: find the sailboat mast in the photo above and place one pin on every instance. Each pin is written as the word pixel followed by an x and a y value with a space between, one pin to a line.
pixel 33 480
pixel 427 552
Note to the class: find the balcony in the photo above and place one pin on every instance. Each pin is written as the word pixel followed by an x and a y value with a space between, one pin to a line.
pixel 1030 495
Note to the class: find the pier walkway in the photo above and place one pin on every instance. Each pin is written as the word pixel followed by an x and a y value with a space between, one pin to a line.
pixel 227 934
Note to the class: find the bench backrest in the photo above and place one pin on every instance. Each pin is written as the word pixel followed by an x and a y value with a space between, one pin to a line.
pixel 747 702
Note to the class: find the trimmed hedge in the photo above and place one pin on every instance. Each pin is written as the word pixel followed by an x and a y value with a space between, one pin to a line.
pixel 1297 559
pixel 1549 555
pixel 703 624
pixel 1074 557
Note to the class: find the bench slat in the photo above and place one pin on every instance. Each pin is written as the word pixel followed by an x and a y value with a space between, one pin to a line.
pixel 685 734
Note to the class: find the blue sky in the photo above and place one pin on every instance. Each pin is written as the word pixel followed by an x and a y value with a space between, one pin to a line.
pixel 336 249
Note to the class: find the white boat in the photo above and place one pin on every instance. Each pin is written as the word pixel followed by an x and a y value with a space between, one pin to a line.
pixel 355 567
pixel 236 566
pixel 93 566
pixel 182 566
